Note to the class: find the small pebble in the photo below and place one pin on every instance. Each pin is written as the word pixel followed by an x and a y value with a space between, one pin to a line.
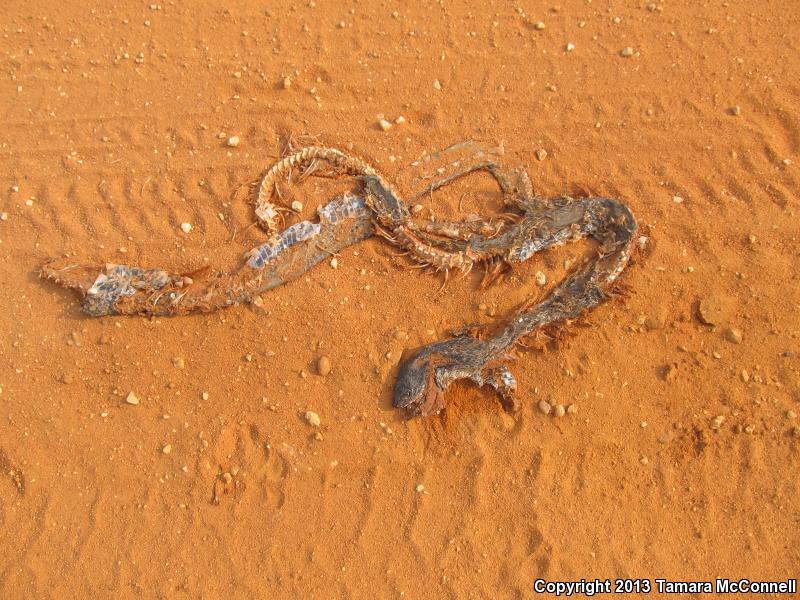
pixel 178 362
pixel 644 460
pixel 166 449
pixel 655 322
pixel 744 375
pixel 297 206
pixel 324 365
pixel 400 120
pixel 541 278
pixel 132 399
pixel 539 25
pixel 734 336
pixel 717 422
pixel 186 227
pixel 545 407
pixel 233 141
pixel 4 216
pixel 541 154
pixel 384 124
pixel 204 395
pixel 437 85
pixel 736 110
pixel 559 411
pixel 75 339
pixel 790 414
pixel 677 199
pixel 626 52
pixel 334 263
pixel 420 488
pixel 572 409
pixel 287 82
pixel 569 47
pixel 713 310
pixel 312 418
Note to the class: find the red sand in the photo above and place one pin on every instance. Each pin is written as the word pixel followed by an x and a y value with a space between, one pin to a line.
pixel 111 125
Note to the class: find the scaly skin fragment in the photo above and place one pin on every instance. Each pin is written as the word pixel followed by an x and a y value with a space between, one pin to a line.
pixel 425 376
pixel 123 290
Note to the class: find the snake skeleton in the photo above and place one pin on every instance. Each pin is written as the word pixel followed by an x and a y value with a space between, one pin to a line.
pixel 479 355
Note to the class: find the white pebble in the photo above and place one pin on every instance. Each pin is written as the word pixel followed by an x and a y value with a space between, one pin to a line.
pixel 400 120
pixel 132 399
pixel 297 206
pixel 334 263
pixel 541 278
pixel 420 488
pixel 570 47
pixel 166 449
pixel 324 366
pixel 437 85
pixel 4 216
pixel 233 141
pixel 312 418
pixel 384 124
pixel 186 227
pixel 626 52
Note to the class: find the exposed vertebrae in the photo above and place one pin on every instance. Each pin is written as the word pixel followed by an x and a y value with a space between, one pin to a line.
pixel 267 212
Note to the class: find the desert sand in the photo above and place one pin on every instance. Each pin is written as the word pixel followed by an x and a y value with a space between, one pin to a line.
pixel 680 460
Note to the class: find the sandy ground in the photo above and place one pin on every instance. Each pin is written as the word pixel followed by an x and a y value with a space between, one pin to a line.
pixel 113 133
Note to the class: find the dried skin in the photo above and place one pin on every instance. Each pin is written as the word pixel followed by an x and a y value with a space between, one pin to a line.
pixel 424 378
